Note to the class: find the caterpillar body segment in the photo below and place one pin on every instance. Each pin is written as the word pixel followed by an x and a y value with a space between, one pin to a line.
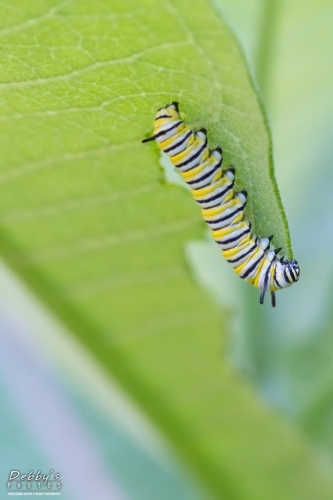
pixel 222 208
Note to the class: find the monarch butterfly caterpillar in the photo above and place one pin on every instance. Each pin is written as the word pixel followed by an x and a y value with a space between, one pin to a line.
pixel 222 207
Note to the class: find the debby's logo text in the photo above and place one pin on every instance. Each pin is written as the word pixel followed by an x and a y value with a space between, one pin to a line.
pixel 33 482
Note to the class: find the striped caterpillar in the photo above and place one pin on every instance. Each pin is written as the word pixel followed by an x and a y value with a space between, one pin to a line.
pixel 222 207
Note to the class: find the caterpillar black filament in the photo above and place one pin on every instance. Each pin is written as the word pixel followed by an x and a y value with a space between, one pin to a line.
pixel 222 207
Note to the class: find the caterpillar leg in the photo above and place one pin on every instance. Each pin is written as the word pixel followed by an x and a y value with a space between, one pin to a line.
pixel 273 299
pixel 262 294
pixel 264 289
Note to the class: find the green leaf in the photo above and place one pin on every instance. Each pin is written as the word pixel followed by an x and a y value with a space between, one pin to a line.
pixel 90 83
pixel 87 222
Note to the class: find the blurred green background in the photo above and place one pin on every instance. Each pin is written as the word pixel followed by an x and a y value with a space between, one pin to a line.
pixel 221 397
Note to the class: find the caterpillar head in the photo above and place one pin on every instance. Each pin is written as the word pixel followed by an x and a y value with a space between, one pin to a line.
pixel 287 272
pixel 292 270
